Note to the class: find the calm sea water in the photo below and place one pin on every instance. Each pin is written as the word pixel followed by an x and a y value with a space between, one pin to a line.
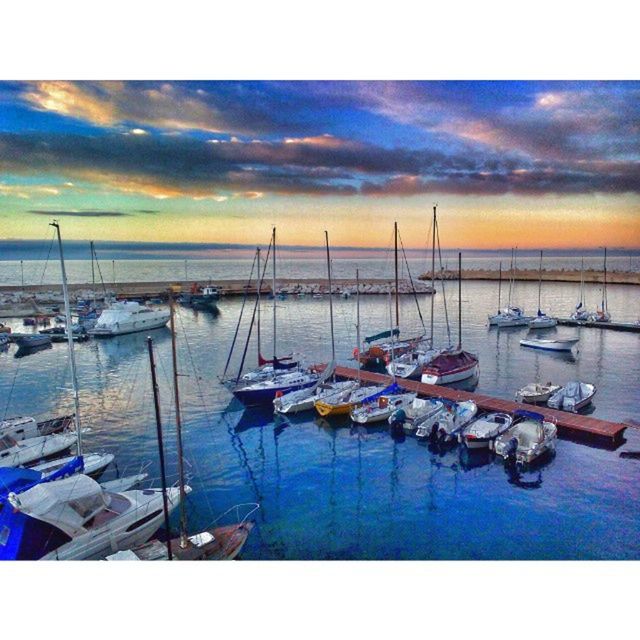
pixel 328 490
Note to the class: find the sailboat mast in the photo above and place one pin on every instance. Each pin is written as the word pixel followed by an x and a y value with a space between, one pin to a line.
pixel 176 395
pixel 499 284
pixel 72 355
pixel 540 283
pixel 604 284
pixel 163 477
pixel 358 319
pixel 392 337
pixel 395 239
pixel 333 342
pixel 459 300
pixel 273 286
pixel 93 273
pixel 510 279
pixel 258 301
pixel 433 274
pixel 582 282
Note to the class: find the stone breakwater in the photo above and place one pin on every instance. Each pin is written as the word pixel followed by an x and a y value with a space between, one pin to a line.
pixel 552 275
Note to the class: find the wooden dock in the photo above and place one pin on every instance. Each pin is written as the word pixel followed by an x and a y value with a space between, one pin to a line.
pixel 570 425
pixel 612 326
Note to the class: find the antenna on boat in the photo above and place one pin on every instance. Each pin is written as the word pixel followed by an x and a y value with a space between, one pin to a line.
pixel 333 344
pixel 163 477
pixel 433 270
pixel 176 395
pixel 69 328
pixel 459 300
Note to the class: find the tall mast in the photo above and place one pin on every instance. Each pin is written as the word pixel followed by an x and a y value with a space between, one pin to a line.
pixel 395 238
pixel 163 477
pixel 459 300
pixel 358 319
pixel 510 279
pixel 604 284
pixel 582 282
pixel 258 302
pixel 433 271
pixel 540 283
pixel 176 395
pixel 69 328
pixel 93 273
pixel 274 296
pixel 499 284
pixel 333 343
pixel 392 337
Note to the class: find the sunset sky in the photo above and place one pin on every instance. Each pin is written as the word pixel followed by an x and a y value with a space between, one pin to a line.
pixel 533 164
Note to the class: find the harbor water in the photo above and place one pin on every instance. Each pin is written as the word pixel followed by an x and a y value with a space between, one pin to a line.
pixel 329 490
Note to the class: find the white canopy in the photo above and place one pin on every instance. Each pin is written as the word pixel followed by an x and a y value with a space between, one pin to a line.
pixel 67 504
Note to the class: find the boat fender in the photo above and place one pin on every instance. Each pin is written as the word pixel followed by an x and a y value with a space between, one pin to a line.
pixel 279 394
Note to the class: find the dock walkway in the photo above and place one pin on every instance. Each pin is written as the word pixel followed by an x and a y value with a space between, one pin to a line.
pixel 570 425
pixel 612 326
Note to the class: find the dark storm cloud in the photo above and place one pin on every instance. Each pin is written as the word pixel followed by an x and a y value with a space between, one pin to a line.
pixel 90 213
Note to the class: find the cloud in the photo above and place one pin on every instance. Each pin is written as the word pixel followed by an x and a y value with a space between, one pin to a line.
pixel 83 213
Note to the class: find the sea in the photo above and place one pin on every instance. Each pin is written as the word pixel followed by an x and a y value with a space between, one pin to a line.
pixel 327 489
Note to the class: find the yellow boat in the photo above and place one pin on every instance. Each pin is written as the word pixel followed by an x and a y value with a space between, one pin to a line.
pixel 345 404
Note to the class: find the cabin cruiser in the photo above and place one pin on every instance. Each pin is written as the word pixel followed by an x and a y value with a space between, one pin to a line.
pixel 573 396
pixel 507 312
pixel 513 317
pixel 128 317
pixel 381 408
pixel 528 439
pixel 536 393
pixel 482 432
pixel 77 519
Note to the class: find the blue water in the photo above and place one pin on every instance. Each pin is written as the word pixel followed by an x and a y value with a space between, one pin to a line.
pixel 328 490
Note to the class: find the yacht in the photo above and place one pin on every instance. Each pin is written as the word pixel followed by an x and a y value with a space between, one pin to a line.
pixel 129 317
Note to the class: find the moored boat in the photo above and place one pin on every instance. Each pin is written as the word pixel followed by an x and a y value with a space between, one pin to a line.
pixel 573 396
pixel 15 453
pixel 484 430
pixel 528 439
pixel 565 344
pixel 536 393
pixel 450 367
pixel 379 409
pixel 344 402
pixel 128 317
pixel 450 421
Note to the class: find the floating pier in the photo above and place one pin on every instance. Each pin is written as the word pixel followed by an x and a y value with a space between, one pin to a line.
pixel 570 425
pixel 612 326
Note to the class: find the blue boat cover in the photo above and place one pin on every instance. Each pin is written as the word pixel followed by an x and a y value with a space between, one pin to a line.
pixel 278 364
pixel 529 414
pixel 391 389
pixel 381 335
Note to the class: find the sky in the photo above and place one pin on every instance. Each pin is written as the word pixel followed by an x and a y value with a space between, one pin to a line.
pixel 528 164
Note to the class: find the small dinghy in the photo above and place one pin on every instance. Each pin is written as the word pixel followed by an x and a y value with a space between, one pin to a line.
pixel 574 396
pixel 528 439
pixel 536 393
pixel 482 432
pixel 449 422
pixel 380 409
pixel 566 344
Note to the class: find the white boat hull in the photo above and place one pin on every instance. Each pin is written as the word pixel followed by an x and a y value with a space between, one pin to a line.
pixel 451 377
pixel 133 327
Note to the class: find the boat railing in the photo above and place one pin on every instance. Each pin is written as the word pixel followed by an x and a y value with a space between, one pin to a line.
pixel 241 512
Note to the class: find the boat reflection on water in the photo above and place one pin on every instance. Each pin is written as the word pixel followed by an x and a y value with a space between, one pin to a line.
pixel 253 417
pixel 21 352
pixel 475 458
pixel 469 384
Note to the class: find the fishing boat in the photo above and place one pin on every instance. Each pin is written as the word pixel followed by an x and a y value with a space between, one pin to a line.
pixel 573 396
pixel 77 519
pixel 16 453
pixel 59 334
pixel 202 298
pixel 565 344
pixel 381 408
pixel 482 432
pixel 581 313
pixel 536 393
pixel 447 425
pixel 527 439
pixel 21 427
pixel 128 317
pixel 454 365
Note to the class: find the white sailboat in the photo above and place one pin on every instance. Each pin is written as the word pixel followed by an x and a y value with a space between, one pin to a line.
pixel 542 320
pixel 512 316
pixel 581 313
pixel 602 314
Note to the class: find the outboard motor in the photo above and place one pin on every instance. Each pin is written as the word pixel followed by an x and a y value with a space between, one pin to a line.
pixel 397 418
pixel 435 432
pixel 510 450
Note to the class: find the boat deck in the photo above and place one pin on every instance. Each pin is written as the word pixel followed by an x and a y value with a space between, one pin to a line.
pixel 571 426
pixel 612 326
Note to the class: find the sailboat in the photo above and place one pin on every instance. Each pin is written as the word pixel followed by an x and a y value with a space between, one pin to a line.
pixel 512 316
pixel 602 314
pixel 457 364
pixel 542 320
pixel 410 363
pixel 581 313
pixel 283 376
pixel 305 399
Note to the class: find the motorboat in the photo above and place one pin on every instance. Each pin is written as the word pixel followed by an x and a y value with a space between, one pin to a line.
pixel 565 344
pixel 22 427
pixel 482 432
pixel 573 396
pixel 344 402
pixel 445 427
pixel 420 410
pixel 381 408
pixel 221 542
pixel 527 439
pixel 450 367
pixel 128 317
pixel 14 453
pixel 77 519
pixel 536 393
pixel 264 391
pixel 305 399
pixel 202 298
pixel 33 341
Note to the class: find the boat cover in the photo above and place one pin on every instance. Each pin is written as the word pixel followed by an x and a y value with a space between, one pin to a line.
pixel 531 415
pixel 451 361
pixel 67 504
pixel 381 335
pixel 387 391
